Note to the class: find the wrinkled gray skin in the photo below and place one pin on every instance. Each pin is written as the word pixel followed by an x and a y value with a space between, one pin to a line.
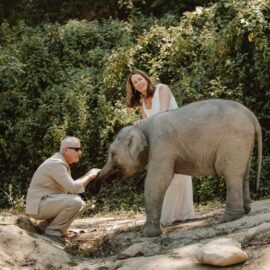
pixel 212 137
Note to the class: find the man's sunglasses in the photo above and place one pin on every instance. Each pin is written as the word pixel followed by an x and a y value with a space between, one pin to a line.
pixel 77 149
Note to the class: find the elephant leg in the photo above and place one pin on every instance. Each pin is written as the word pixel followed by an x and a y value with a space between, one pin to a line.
pixel 246 192
pixel 235 156
pixel 234 198
pixel 157 181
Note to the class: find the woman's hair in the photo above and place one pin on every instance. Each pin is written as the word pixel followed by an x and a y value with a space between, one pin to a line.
pixel 133 96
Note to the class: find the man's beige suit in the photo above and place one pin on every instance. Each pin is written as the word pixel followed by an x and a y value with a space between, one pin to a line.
pixel 52 196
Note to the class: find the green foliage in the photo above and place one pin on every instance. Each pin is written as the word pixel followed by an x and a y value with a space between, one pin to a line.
pixel 208 189
pixel 69 79
pixel 34 12
pixel 12 200
pixel 125 195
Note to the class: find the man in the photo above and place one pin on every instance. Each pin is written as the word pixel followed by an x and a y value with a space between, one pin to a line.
pixel 52 195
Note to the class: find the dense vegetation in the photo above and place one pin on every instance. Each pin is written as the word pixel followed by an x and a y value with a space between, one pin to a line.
pixel 35 12
pixel 69 79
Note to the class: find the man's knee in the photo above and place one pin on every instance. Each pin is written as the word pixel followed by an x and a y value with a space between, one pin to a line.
pixel 78 203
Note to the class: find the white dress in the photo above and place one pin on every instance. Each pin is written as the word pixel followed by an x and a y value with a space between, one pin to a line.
pixel 178 199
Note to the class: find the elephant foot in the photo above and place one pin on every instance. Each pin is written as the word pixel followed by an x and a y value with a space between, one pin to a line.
pixel 231 215
pixel 151 230
pixel 247 208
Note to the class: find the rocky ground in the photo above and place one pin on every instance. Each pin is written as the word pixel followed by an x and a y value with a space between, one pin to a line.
pixel 116 242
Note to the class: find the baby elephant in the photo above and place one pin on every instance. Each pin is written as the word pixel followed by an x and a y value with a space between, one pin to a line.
pixel 211 137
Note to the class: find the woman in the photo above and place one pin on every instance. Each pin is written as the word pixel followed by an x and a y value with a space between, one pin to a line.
pixel 141 92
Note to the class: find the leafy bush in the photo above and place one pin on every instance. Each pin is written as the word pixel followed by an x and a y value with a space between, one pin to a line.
pixel 35 12
pixel 69 79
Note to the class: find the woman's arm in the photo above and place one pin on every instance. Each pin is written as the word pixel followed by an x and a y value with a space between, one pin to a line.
pixel 137 122
pixel 164 97
pixel 142 112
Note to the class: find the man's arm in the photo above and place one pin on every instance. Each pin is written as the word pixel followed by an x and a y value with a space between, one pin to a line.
pixel 89 176
pixel 60 174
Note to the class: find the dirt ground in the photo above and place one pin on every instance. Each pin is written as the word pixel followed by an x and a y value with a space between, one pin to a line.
pixel 117 242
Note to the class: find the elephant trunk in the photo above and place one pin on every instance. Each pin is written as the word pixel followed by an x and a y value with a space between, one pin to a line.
pixel 94 186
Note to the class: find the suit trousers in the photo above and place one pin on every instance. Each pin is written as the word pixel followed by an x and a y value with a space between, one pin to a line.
pixel 58 211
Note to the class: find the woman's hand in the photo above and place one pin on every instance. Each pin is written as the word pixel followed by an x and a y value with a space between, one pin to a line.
pixel 138 122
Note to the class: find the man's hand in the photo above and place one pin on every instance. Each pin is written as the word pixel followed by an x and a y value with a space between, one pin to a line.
pixel 94 187
pixel 93 173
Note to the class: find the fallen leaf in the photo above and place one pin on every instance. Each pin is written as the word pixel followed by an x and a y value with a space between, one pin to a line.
pixel 122 256
pixel 139 254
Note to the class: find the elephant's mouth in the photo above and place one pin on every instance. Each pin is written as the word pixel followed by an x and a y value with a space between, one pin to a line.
pixel 128 172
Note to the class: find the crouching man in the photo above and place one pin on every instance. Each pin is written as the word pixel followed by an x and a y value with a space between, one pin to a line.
pixel 52 194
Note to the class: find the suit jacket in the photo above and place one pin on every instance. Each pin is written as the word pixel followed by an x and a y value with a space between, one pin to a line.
pixel 51 177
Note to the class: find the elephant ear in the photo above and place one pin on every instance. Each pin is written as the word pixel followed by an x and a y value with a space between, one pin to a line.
pixel 137 143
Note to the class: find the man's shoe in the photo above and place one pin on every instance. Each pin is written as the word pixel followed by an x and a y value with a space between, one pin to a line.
pixel 56 238
pixel 26 224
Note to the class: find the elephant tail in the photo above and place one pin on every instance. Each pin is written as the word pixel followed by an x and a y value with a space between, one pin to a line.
pixel 259 144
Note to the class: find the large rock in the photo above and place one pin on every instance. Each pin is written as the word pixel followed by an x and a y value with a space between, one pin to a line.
pixel 19 249
pixel 221 252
